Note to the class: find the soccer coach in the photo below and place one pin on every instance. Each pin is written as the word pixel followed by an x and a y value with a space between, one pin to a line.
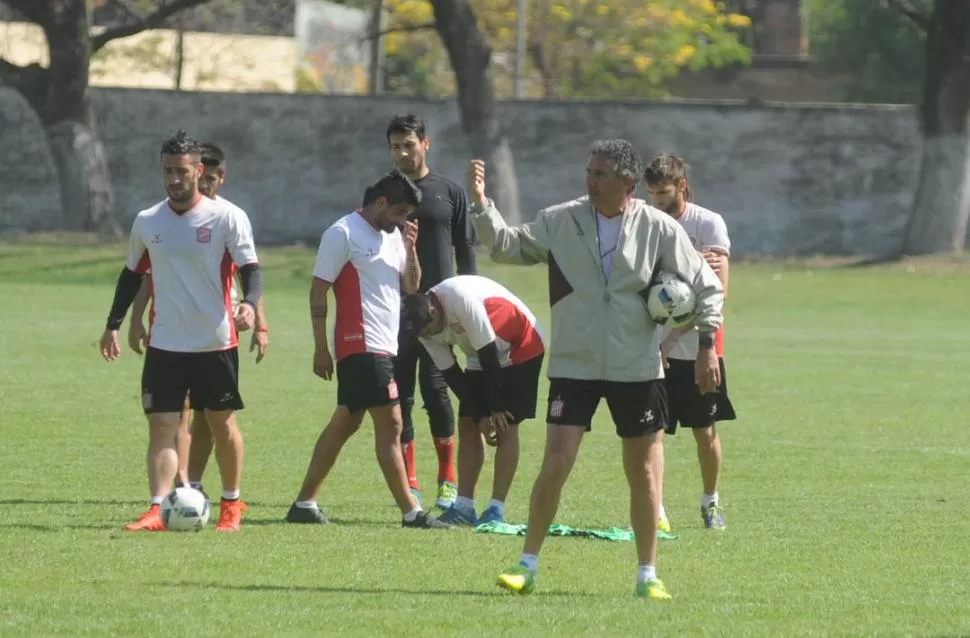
pixel 602 251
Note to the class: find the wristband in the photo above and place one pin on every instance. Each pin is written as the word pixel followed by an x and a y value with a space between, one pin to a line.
pixel 266 330
pixel 706 340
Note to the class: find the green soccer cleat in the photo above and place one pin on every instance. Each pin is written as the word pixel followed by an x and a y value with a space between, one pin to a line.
pixel 520 580
pixel 654 589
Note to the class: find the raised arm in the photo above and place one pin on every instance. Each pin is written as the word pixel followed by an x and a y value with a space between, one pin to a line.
pixel 525 244
pixel 411 269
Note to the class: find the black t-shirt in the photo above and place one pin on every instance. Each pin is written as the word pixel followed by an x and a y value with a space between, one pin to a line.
pixel 444 229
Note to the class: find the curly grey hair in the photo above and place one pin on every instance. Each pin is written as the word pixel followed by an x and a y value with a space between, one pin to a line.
pixel 622 155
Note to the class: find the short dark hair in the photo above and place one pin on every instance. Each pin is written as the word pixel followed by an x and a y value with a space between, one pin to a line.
pixel 623 155
pixel 405 125
pixel 415 314
pixel 212 155
pixel 181 144
pixel 666 168
pixel 396 187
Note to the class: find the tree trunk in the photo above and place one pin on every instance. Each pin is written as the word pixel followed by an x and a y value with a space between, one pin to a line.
pixel 471 56
pixel 938 221
pixel 82 167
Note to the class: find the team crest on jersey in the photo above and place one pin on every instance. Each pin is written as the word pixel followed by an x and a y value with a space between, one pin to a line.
pixel 556 408
pixel 392 390
pixel 457 328
pixel 203 235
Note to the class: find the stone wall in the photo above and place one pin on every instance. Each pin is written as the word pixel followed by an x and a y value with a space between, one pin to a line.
pixel 789 179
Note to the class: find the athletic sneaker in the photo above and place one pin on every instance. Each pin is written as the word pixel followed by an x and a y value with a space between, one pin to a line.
pixel 491 515
pixel 306 515
pixel 663 524
pixel 425 521
pixel 519 579
pixel 150 521
pixel 447 493
pixel 713 516
pixel 654 589
pixel 230 515
pixel 455 515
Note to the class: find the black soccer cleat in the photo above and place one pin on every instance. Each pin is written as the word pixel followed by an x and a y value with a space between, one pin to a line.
pixel 425 521
pixel 310 515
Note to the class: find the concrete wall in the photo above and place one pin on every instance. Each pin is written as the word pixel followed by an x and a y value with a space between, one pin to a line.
pixel 788 179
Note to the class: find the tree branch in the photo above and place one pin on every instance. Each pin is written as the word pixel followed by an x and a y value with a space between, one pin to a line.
pixel 404 28
pixel 919 19
pixel 151 21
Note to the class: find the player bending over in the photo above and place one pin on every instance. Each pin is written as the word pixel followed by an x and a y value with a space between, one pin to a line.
pixel 188 240
pixel 366 261
pixel 499 386
pixel 195 444
pixel 666 178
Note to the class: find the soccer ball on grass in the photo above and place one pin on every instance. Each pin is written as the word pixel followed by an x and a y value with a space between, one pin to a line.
pixel 185 509
pixel 670 301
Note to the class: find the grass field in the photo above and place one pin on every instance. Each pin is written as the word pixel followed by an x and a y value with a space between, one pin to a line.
pixel 845 484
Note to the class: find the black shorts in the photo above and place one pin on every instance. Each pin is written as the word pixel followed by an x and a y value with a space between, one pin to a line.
pixel 638 408
pixel 210 379
pixel 365 381
pixel 520 391
pixel 688 406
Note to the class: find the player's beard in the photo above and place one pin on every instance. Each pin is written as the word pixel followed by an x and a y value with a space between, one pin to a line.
pixel 182 195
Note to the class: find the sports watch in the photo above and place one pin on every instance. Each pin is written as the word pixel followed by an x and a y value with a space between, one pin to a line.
pixel 706 340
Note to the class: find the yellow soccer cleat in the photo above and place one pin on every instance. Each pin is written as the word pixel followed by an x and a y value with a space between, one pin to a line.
pixel 519 580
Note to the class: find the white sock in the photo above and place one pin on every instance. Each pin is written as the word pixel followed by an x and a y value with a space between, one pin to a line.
pixel 708 499
pixel 530 562
pixel 464 503
pixel 499 505
pixel 412 515
pixel 645 573
pixel 230 495
pixel 307 505
pixel 663 512
pixel 157 500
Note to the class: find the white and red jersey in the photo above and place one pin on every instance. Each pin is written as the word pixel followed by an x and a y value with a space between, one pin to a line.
pixel 192 257
pixel 708 232
pixel 365 266
pixel 234 288
pixel 477 312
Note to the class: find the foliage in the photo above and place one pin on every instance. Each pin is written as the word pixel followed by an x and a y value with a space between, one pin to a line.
pixel 585 48
pixel 880 50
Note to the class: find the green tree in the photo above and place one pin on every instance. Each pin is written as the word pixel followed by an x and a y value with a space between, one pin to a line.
pixel 588 48
pixel 59 94
pixel 876 44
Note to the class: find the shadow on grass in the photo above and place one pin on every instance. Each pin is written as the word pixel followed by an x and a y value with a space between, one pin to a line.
pixel 359 590
pixel 25 501
pixel 60 527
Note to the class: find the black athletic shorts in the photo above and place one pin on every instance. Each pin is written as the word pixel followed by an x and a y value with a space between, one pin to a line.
pixel 520 391
pixel 210 379
pixel 638 408
pixel 688 406
pixel 365 381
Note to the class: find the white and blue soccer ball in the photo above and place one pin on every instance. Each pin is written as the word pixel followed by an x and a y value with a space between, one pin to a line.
pixel 185 509
pixel 670 301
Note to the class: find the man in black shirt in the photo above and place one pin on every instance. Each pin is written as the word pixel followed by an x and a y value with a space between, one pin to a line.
pixel 445 230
